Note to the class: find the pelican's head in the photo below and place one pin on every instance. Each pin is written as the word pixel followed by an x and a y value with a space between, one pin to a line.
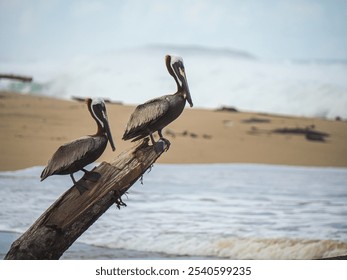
pixel 175 67
pixel 97 109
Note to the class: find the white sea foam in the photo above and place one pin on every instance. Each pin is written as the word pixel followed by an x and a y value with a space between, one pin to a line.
pixel 215 78
pixel 235 247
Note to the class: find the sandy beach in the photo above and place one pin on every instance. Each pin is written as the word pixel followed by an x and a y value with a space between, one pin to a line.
pixel 33 127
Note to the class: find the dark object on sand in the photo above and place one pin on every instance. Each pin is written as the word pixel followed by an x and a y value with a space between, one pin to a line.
pixel 157 113
pixel 314 136
pixel 75 155
pixel 207 136
pixel 310 134
pixel 227 109
pixel 186 133
pixel 256 120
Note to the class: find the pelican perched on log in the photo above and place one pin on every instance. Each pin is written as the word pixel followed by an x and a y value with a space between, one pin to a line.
pixel 157 113
pixel 75 155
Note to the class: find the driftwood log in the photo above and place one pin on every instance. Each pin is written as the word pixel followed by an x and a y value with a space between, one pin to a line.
pixel 16 77
pixel 73 213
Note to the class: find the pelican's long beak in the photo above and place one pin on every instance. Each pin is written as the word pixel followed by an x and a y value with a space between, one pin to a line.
pixel 189 98
pixel 108 131
pixel 186 88
pixel 109 137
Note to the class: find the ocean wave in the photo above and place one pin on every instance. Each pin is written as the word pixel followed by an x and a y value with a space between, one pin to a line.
pixel 215 78
pixel 281 248
pixel 232 247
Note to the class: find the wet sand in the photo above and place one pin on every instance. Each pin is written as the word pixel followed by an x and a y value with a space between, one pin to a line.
pixel 33 127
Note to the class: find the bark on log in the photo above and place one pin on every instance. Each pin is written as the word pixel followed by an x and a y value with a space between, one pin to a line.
pixel 16 77
pixel 73 213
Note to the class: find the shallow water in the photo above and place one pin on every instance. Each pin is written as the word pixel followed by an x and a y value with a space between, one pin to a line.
pixel 239 211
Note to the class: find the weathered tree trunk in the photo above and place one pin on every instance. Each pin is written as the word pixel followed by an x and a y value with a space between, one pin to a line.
pixel 73 213
pixel 16 77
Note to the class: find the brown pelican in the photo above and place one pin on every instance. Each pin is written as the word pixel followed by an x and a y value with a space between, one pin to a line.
pixel 157 113
pixel 75 155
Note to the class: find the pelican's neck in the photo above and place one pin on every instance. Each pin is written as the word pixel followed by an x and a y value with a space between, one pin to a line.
pixel 180 89
pixel 181 92
pixel 100 130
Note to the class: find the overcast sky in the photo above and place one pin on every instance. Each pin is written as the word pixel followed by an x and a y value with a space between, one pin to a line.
pixel 292 29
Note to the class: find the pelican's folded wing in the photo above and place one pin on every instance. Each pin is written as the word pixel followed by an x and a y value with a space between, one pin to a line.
pixel 144 115
pixel 68 154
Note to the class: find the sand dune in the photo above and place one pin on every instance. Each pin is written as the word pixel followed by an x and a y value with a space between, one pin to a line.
pixel 33 127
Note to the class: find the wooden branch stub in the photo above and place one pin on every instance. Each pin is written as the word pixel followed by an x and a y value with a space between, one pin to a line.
pixel 73 213
pixel 16 77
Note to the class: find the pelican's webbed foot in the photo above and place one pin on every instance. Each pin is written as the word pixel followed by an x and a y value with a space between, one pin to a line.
pixel 166 143
pixel 91 175
pixel 81 186
pixel 162 145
